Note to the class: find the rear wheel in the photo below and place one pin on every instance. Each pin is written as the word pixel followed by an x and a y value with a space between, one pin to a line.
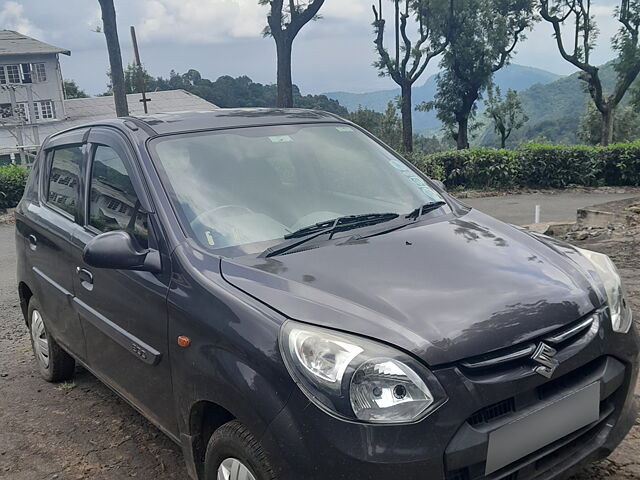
pixel 234 454
pixel 54 364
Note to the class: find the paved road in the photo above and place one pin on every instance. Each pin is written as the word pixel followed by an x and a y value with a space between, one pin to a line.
pixel 519 209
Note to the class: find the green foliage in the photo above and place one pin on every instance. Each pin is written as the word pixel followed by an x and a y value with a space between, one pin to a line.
pixel 388 128
pixel 626 126
pixel 228 92
pixel 482 36
pixel 71 90
pixel 557 166
pixel 535 166
pixel 12 181
pixel 507 113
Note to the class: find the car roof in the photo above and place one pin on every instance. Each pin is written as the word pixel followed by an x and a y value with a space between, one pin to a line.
pixel 177 122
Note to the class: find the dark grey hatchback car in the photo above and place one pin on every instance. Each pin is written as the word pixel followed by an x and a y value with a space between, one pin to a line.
pixel 287 298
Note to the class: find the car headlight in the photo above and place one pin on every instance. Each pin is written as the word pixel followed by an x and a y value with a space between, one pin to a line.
pixel 358 379
pixel 607 273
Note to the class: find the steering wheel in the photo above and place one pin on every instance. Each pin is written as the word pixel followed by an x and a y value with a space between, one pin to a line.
pixel 211 211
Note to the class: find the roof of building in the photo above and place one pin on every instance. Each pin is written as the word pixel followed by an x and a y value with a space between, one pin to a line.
pixel 232 117
pixel 82 111
pixel 99 108
pixel 15 43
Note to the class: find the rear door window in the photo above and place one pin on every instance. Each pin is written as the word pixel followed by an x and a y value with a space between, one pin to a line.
pixel 114 204
pixel 63 178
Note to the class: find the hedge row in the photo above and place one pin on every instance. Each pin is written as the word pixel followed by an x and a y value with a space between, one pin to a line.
pixel 12 181
pixel 535 166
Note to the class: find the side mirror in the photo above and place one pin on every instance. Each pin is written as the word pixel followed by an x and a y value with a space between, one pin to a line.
pixel 118 250
pixel 440 184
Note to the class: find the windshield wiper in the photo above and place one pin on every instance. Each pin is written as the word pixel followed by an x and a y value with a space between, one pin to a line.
pixel 340 224
pixel 414 215
pixel 426 208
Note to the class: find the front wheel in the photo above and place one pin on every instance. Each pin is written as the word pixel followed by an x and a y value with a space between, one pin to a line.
pixel 54 364
pixel 233 453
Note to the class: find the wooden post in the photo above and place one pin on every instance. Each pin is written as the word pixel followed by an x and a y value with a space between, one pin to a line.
pixel 144 98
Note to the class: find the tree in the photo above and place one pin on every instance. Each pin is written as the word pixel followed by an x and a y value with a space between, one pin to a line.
pixel 284 22
pixel 507 113
pixel 410 58
pixel 626 125
pixel 584 33
pixel 483 35
pixel 386 126
pixel 115 57
pixel 71 90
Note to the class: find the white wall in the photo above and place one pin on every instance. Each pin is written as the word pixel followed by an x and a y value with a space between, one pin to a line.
pixel 49 90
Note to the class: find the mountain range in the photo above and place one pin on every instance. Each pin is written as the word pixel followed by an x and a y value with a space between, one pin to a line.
pixel 517 77
pixel 554 104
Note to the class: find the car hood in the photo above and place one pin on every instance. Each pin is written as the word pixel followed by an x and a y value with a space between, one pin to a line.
pixel 447 290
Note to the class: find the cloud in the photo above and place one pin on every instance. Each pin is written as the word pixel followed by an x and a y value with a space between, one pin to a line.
pixel 12 18
pixel 198 22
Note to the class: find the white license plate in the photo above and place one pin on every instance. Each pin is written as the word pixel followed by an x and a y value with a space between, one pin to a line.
pixel 538 429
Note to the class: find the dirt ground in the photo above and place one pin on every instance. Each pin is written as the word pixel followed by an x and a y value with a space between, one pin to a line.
pixel 82 430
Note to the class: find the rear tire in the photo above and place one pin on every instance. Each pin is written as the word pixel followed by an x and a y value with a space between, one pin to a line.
pixel 233 453
pixel 54 364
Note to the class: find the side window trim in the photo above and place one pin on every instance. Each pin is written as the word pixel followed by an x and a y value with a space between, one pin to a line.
pixel 112 138
pixel 126 157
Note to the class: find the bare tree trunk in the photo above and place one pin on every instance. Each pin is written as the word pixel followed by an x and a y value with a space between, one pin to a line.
pixel 606 136
pixel 285 82
pixel 407 121
pixel 462 138
pixel 503 139
pixel 115 57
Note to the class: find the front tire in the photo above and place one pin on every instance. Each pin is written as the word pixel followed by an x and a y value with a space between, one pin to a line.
pixel 54 364
pixel 233 453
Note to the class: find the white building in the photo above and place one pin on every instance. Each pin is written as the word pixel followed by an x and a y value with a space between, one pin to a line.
pixel 31 88
pixel 32 103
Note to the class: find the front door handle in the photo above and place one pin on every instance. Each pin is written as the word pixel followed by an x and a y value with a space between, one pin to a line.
pixel 33 242
pixel 86 278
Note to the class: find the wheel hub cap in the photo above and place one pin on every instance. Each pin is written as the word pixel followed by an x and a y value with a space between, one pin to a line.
pixel 40 341
pixel 233 469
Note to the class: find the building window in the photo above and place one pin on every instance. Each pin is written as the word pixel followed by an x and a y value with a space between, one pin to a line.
pixel 44 109
pixel 26 72
pixel 38 73
pixel 13 73
pixel 22 111
pixel 23 73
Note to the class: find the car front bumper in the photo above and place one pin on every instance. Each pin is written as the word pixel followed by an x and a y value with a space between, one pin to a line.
pixel 304 442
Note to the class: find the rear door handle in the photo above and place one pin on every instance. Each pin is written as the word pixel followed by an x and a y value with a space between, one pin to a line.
pixel 86 278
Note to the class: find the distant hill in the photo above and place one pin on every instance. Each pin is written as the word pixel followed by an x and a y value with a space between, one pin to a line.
pixel 555 109
pixel 513 76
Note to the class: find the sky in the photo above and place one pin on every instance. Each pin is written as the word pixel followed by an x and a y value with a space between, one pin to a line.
pixel 223 37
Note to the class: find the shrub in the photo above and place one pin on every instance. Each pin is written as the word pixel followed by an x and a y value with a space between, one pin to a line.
pixel 12 181
pixel 477 168
pixel 427 164
pixel 620 164
pixel 535 166
pixel 557 166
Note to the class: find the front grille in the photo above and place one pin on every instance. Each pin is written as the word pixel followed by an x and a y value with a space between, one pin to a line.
pixel 517 355
pixel 467 463
pixel 493 412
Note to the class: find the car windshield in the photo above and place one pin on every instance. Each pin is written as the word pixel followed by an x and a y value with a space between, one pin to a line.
pixel 248 186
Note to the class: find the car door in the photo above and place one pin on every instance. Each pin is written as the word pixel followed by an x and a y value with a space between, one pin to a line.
pixel 48 224
pixel 123 312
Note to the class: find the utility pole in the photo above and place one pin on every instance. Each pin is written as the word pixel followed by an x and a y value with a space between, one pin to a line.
pixel 144 98
pixel 32 114
pixel 15 113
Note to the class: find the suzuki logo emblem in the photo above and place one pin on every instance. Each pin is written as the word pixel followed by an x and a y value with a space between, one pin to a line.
pixel 544 355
